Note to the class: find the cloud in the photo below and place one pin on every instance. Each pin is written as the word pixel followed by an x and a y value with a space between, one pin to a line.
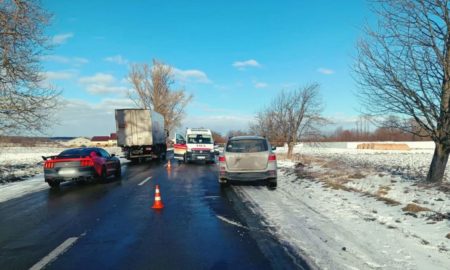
pixel 220 123
pixel 241 65
pixel 117 59
pixel 58 75
pixel 61 38
pixel 191 75
pixel 260 85
pixel 100 89
pixel 325 71
pixel 76 61
pixel 99 78
pixel 90 118
pixel 102 84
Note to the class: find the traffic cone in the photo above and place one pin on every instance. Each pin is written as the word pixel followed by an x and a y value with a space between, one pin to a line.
pixel 158 202
pixel 169 165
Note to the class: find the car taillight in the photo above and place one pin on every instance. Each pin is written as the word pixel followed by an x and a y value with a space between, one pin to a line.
pixel 272 157
pixel 221 158
pixel 49 165
pixel 86 163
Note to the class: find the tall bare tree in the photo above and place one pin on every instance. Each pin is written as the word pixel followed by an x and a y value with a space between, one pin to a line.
pixel 403 68
pixel 291 116
pixel 25 102
pixel 153 89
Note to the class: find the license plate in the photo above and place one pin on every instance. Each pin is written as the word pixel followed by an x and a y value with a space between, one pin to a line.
pixel 66 171
pixel 200 157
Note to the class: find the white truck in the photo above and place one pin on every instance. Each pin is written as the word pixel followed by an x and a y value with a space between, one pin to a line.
pixel 196 145
pixel 141 134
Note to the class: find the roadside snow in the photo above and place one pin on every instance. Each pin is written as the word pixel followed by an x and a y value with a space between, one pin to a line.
pixel 18 189
pixel 342 208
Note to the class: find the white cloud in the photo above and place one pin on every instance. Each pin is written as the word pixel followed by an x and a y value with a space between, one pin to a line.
pixel 325 71
pixel 219 123
pixel 260 85
pixel 241 65
pixel 76 61
pixel 99 78
pixel 61 38
pixel 117 59
pixel 89 118
pixel 58 75
pixel 100 89
pixel 191 75
pixel 102 84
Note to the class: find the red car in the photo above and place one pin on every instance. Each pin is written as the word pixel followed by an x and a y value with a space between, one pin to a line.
pixel 80 164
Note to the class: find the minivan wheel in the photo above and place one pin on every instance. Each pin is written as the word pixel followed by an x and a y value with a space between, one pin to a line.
pixel 53 183
pixel 272 183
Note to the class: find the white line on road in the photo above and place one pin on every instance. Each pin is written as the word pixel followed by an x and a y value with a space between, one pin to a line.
pixel 232 222
pixel 55 253
pixel 145 181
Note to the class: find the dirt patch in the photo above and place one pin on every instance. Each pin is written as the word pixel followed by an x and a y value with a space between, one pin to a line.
pixel 383 190
pixel 357 175
pixel 414 208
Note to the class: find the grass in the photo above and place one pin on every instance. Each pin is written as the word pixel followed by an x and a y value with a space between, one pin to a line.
pixel 414 208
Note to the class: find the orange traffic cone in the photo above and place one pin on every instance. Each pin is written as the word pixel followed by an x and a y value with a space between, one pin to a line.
pixel 158 202
pixel 169 165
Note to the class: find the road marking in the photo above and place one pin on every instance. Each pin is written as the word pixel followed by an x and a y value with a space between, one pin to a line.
pixel 56 253
pixel 145 181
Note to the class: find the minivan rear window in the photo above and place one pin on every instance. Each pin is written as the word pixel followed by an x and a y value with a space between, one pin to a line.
pixel 247 146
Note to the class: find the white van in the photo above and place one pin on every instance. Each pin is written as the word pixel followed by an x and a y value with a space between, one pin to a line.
pixel 196 145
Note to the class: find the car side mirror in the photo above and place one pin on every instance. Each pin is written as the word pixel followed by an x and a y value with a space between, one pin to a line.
pixel 274 148
pixel 216 152
pixel 113 155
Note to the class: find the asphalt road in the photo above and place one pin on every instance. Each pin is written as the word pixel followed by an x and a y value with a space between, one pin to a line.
pixel 112 226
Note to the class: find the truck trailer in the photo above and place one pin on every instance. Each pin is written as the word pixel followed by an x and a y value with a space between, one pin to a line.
pixel 141 134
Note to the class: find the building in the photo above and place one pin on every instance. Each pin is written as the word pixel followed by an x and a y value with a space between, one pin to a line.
pixel 100 141
pixel 113 139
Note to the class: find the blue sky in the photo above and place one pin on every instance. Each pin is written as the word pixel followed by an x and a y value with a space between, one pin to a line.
pixel 233 56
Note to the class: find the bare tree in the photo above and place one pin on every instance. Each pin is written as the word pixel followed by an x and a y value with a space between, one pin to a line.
pixel 25 102
pixel 403 68
pixel 292 115
pixel 153 89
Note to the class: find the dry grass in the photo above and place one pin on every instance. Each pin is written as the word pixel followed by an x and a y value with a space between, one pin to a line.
pixel 448 236
pixel 414 208
pixel 383 190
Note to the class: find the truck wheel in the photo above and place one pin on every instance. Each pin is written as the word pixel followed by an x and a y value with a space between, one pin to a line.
pixel 53 183
pixel 272 183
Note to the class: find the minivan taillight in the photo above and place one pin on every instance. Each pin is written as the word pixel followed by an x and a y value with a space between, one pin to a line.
pixel 221 158
pixel 49 165
pixel 86 163
pixel 272 157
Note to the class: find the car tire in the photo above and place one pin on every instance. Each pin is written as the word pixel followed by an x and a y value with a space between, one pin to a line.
pixel 53 183
pixel 103 174
pixel 272 184
pixel 223 183
pixel 118 172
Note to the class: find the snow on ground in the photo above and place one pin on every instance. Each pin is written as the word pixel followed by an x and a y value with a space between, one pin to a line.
pixel 342 208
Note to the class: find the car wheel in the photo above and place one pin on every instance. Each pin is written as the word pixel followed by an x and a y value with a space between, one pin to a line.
pixel 103 174
pixel 272 183
pixel 118 172
pixel 223 183
pixel 53 183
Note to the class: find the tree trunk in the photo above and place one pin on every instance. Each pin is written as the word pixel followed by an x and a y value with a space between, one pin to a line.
pixel 290 150
pixel 438 164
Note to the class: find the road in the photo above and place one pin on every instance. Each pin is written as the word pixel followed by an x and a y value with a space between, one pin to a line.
pixel 112 226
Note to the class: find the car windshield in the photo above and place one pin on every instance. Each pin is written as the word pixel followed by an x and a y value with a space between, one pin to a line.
pixel 247 146
pixel 75 153
pixel 199 139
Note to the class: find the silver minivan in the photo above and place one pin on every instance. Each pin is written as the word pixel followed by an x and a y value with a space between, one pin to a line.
pixel 248 158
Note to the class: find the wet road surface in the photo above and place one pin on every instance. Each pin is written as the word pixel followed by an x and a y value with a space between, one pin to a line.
pixel 112 226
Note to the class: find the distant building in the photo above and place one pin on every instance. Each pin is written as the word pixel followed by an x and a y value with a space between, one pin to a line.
pixel 77 142
pixel 113 139
pixel 100 141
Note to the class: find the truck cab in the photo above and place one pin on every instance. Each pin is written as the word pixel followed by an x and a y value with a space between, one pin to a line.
pixel 196 145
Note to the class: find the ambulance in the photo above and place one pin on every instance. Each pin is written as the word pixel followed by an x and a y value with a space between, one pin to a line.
pixel 196 145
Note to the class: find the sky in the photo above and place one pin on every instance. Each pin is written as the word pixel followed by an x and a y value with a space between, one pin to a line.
pixel 234 57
